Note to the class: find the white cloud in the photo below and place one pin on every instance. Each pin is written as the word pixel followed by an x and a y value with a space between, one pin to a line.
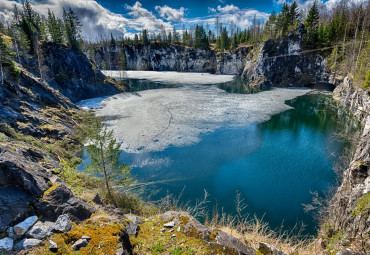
pixel 228 8
pixel 144 19
pixel 211 10
pixel 171 14
pixel 96 19
pixel 232 14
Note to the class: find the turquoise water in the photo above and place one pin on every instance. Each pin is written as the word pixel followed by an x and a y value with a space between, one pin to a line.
pixel 274 165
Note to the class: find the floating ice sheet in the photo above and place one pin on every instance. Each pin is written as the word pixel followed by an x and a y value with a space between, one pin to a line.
pixel 171 77
pixel 153 120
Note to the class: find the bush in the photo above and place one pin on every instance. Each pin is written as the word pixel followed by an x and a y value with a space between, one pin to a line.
pixel 367 81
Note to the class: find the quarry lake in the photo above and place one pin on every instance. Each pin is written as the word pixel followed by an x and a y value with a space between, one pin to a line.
pixel 274 147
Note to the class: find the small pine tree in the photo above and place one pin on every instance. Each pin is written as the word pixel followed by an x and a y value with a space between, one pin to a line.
pixel 72 27
pixel 6 58
pixel 144 38
pixel 112 40
pixel 311 24
pixel 104 155
pixel 136 39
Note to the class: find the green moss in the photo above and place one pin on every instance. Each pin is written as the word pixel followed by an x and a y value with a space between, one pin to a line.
pixel 363 206
pixel 55 185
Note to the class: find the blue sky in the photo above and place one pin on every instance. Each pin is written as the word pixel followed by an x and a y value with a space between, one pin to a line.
pixel 100 18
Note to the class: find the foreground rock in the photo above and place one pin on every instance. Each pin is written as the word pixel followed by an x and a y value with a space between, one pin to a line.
pixel 193 228
pixel 6 244
pixel 63 224
pixel 21 228
pixel 27 243
pixel 41 230
pixel 267 249
pixel 60 201
pixel 228 240
pixel 53 246
pixel 79 244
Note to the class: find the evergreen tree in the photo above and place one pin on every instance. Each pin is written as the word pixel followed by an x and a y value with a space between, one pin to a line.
pixel 234 42
pixel 224 40
pixel 136 39
pixel 55 28
pixel 6 58
pixel 72 27
pixel 270 25
pixel 112 40
pixel 293 13
pixel 175 35
pixel 283 20
pixel 144 38
pixel 104 155
pixel 169 38
pixel 185 37
pixel 311 24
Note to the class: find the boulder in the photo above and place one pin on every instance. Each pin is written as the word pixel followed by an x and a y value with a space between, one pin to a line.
pixel 135 219
pixel 62 201
pixel 63 223
pixel 18 171
pixel 79 244
pixel 14 204
pixel 6 244
pixel 10 233
pixel 189 224
pixel 97 200
pixel 268 249
pixel 88 238
pixel 170 224
pixel 132 229
pixel 41 230
pixel 230 241
pixel 53 246
pixel 27 243
pixel 21 228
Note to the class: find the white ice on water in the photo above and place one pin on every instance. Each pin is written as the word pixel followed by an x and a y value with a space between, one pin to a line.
pixel 153 120
pixel 171 77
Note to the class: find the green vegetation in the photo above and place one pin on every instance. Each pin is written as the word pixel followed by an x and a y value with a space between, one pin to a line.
pixel 363 206
pixel 104 154
pixel 7 56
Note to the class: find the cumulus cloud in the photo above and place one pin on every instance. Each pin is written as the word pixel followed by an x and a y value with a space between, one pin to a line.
pixel 171 14
pixel 96 19
pixel 144 19
pixel 233 14
pixel 228 8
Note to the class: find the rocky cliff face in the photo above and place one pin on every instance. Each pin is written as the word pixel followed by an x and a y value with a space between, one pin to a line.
pixel 349 210
pixel 34 119
pixel 173 58
pixel 71 73
pixel 283 62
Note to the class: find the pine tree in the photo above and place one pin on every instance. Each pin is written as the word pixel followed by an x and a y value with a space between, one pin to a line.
pixel 72 27
pixel 169 38
pixel 293 13
pixel 234 42
pixel 283 20
pixel 144 38
pixel 112 40
pixel 136 39
pixel 6 58
pixel 104 155
pixel 55 27
pixel 224 40
pixel 175 35
pixel 311 24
